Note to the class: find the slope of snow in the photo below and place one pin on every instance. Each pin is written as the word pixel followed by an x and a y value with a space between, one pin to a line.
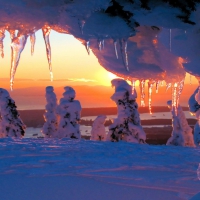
pixel 77 169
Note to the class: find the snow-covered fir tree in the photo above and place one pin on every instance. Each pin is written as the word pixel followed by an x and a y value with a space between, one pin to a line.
pixel 69 111
pixel 50 126
pixel 98 129
pixel 127 125
pixel 194 106
pixel 10 121
pixel 182 132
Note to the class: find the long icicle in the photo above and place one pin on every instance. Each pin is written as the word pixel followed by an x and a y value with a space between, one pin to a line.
pixel 168 85
pixel 17 46
pixel 157 86
pixel 12 34
pixel 123 49
pixel 133 86
pixel 2 36
pixel 150 89
pixel 46 32
pixel 99 44
pixel 87 46
pixel 174 98
pixel 115 46
pixel 180 89
pixel 32 40
pixel 142 93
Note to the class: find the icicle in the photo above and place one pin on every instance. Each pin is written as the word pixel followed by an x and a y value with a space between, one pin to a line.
pixel 115 46
pixel 126 55
pixel 46 32
pixel 190 79
pixel 133 86
pixel 168 86
pixel 103 44
pixel 100 45
pixel 123 48
pixel 150 87
pixel 162 83
pixel 81 25
pixel 17 46
pixel 180 89
pixel 142 93
pixel 174 98
pixel 170 40
pixel 32 39
pixel 157 86
pixel 87 46
pixel 2 36
pixel 12 33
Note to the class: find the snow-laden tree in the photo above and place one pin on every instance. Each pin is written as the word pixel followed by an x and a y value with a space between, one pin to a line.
pixel 10 121
pixel 194 106
pixel 98 129
pixel 50 126
pixel 182 132
pixel 69 111
pixel 127 125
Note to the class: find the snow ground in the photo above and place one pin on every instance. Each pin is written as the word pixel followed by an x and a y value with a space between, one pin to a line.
pixel 55 169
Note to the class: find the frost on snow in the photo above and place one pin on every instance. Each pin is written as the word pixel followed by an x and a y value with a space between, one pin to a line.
pixel 69 111
pixel 182 132
pixel 10 121
pixel 195 109
pixel 50 126
pixel 127 125
pixel 98 129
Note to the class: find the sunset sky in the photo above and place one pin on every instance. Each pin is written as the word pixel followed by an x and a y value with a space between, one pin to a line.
pixel 72 66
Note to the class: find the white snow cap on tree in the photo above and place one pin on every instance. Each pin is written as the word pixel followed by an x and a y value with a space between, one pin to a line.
pixel 10 121
pixel 50 126
pixel 98 129
pixel 127 125
pixel 182 132
pixel 194 108
pixel 69 111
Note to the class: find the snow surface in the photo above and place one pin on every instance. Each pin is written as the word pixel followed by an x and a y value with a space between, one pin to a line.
pixel 56 169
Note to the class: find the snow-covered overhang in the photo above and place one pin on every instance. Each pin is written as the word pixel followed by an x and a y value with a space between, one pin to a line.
pixel 155 40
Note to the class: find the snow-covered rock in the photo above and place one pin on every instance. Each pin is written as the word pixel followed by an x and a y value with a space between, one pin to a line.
pixel 127 125
pixel 98 129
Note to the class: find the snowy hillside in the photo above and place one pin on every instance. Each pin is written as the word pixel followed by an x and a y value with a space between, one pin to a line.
pixel 52 169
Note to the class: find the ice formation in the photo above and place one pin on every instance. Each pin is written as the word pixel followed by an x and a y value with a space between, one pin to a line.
pixel 69 111
pixel 127 125
pixel 153 40
pixel 10 121
pixel 50 126
pixel 182 132
pixel 2 36
pixel 17 46
pixel 46 32
pixel 194 107
pixel 98 129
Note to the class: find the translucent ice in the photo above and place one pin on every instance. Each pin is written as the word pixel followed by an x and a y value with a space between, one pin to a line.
pixel 46 32
pixel 2 36
pixel 17 46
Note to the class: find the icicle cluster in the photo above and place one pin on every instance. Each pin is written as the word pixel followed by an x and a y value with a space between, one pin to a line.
pixel 127 125
pixel 182 132
pixel 69 111
pixel 10 121
pixel 98 129
pixel 50 126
